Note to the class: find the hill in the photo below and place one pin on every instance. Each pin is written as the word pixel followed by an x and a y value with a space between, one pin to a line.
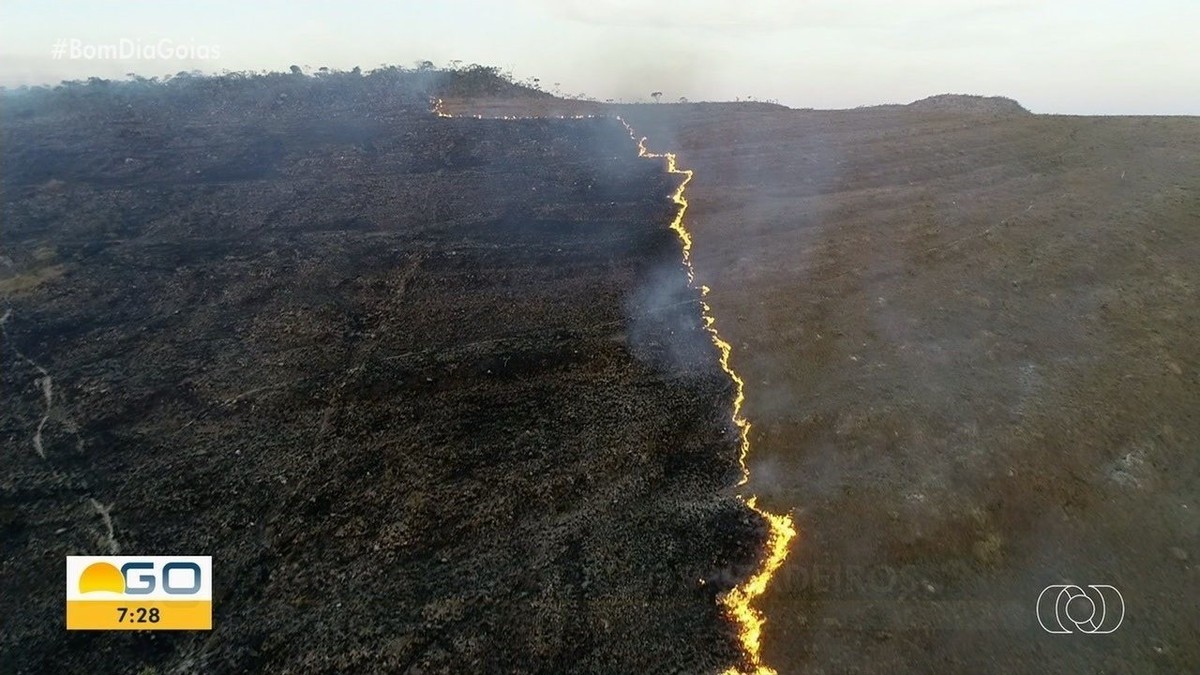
pixel 964 104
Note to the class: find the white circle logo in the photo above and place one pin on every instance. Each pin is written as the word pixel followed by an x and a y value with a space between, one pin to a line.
pixel 1067 608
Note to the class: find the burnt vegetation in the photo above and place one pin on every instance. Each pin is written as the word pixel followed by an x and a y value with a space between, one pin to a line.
pixel 433 393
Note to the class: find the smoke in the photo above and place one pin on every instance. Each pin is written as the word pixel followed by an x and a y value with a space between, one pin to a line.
pixel 665 327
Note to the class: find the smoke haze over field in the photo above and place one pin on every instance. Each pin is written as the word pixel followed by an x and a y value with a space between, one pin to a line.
pixel 1071 56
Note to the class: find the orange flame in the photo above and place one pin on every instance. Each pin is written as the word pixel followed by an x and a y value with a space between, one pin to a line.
pixel 738 601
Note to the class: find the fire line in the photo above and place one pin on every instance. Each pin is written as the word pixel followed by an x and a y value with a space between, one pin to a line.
pixel 738 601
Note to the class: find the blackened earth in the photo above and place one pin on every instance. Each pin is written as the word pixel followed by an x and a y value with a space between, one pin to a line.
pixel 432 392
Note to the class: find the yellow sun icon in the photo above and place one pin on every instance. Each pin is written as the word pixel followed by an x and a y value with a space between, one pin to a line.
pixel 101 576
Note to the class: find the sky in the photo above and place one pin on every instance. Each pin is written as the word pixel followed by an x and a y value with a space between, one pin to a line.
pixel 1054 56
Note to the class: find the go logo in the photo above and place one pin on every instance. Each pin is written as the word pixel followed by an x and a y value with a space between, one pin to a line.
pixel 139 593
pixel 142 577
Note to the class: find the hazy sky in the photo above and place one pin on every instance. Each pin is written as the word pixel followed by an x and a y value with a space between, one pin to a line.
pixel 1063 56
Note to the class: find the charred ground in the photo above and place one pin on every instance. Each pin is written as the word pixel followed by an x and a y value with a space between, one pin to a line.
pixel 968 335
pixel 433 393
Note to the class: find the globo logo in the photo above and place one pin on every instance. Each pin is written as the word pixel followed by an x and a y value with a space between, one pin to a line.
pixel 1067 608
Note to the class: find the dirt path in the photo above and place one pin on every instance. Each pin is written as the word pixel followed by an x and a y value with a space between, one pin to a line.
pixel 44 383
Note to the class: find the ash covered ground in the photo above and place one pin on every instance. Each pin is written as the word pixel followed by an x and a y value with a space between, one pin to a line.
pixel 433 393
pixel 968 335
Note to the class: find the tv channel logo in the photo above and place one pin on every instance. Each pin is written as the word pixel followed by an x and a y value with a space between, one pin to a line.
pixel 139 592
pixel 1067 608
